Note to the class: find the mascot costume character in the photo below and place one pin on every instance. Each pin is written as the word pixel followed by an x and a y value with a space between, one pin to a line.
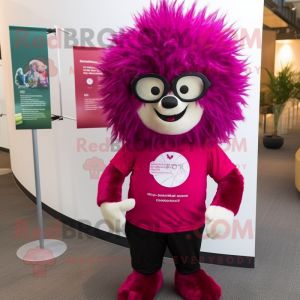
pixel 172 88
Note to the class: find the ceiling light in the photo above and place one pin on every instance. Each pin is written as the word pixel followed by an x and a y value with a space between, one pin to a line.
pixel 291 5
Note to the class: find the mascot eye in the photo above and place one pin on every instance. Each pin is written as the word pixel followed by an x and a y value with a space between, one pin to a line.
pixel 184 89
pixel 189 87
pixel 150 88
pixel 155 91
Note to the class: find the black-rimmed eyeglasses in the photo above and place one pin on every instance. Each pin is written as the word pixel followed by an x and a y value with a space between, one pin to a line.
pixel 188 87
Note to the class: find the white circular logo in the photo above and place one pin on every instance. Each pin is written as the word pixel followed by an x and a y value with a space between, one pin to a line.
pixel 170 169
pixel 89 81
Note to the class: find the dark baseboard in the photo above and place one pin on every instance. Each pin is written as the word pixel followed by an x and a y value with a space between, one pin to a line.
pixel 4 149
pixel 209 258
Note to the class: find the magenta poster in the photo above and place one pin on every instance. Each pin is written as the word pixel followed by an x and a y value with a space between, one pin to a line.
pixel 88 110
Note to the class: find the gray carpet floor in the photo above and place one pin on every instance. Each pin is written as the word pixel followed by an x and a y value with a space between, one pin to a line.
pixel 276 275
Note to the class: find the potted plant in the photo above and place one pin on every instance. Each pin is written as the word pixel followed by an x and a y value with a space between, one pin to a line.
pixel 281 87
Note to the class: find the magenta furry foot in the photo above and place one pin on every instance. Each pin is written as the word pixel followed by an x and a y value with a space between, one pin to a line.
pixel 139 286
pixel 197 286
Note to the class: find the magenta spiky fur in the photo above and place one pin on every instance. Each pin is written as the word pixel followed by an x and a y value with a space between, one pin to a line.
pixel 169 41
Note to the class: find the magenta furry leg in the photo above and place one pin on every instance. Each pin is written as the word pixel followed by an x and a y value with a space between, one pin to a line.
pixel 139 286
pixel 197 286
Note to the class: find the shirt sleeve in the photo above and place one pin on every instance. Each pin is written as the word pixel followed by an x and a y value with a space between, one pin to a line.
pixel 219 165
pixel 124 160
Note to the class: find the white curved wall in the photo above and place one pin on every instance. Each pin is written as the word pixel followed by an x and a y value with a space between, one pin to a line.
pixel 3 120
pixel 66 186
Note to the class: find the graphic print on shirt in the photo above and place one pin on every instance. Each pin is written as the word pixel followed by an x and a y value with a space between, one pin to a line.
pixel 170 169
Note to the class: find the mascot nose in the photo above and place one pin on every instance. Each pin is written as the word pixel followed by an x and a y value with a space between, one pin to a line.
pixel 169 102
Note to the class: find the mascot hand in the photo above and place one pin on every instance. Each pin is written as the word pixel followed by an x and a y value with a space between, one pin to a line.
pixel 112 213
pixel 218 220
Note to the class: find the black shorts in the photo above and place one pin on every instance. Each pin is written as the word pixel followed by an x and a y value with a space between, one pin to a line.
pixel 147 249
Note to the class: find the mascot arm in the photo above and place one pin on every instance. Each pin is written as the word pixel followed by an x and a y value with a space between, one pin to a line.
pixel 226 204
pixel 110 196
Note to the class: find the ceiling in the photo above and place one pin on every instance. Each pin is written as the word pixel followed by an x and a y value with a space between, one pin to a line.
pixel 297 4
pixel 273 21
pixel 298 9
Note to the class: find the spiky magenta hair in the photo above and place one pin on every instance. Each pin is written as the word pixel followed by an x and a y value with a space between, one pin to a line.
pixel 168 41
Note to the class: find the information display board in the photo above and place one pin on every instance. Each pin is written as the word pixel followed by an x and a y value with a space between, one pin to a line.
pixel 88 109
pixel 29 55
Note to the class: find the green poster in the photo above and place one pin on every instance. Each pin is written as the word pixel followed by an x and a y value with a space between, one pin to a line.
pixel 30 68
